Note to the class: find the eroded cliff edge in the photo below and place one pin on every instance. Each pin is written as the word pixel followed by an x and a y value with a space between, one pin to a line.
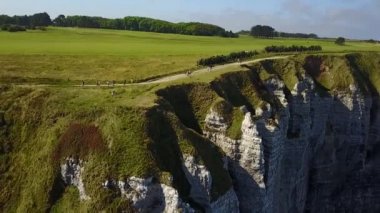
pixel 294 135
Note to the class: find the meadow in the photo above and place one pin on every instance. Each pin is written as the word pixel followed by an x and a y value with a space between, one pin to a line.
pixel 73 54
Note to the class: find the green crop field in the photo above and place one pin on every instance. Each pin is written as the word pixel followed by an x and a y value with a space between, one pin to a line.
pixel 71 54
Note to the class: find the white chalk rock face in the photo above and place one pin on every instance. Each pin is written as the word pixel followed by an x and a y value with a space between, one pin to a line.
pixel 147 196
pixel 246 162
pixel 199 177
pixel 200 180
pixel 216 121
pixel 71 172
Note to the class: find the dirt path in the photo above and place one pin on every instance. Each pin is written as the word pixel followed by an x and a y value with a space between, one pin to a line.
pixel 205 70
pixel 178 76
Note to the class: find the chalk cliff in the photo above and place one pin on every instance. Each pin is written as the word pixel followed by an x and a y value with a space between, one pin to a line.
pixel 312 147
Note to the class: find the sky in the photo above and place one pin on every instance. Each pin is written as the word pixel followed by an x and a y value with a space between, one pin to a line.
pixel 358 19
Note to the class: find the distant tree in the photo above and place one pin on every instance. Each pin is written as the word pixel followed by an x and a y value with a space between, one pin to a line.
pixel 371 41
pixel 21 20
pixel 231 34
pixel 340 41
pixel 313 35
pixel 40 19
pixel 60 21
pixel 244 32
pixel 4 19
pixel 131 23
pixel 262 31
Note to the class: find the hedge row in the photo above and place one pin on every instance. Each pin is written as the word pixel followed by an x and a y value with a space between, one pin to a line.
pixel 224 59
pixel 12 28
pixel 293 48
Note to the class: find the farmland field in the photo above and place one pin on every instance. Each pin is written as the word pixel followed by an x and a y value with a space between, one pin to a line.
pixel 72 54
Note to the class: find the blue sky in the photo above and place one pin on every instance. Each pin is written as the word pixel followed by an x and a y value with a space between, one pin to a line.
pixel 348 18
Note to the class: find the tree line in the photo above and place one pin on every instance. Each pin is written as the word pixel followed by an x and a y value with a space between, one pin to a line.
pixel 340 41
pixel 293 48
pixel 21 23
pixel 264 31
pixel 143 24
pixel 127 23
pixel 224 59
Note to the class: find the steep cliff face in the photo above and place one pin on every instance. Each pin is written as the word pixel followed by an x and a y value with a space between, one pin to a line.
pixel 294 135
pixel 309 144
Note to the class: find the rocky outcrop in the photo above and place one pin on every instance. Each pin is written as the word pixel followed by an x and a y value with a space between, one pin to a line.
pixel 200 180
pixel 147 196
pixel 71 172
pixel 246 163
pixel 255 158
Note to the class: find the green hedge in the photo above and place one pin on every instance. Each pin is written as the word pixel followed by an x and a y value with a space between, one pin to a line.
pixel 293 48
pixel 224 59
pixel 13 28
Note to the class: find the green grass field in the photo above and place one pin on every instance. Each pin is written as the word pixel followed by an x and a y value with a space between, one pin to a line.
pixel 63 54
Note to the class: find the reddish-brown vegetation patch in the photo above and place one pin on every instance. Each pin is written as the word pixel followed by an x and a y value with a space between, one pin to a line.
pixel 315 66
pixel 78 141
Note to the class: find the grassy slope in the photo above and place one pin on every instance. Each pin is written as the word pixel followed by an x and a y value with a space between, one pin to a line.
pixel 35 119
pixel 92 54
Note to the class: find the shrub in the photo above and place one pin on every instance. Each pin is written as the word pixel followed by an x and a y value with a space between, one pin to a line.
pixel 340 41
pixel 4 27
pixel 12 28
pixel 41 28
pixel 16 28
